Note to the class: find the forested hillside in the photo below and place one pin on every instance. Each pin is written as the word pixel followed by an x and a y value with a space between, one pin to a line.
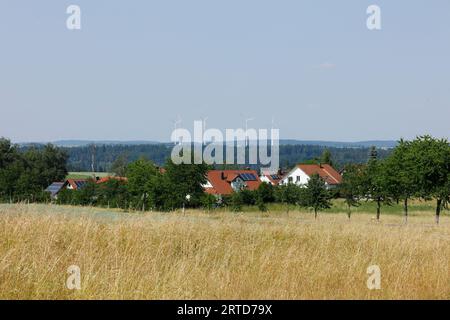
pixel 80 157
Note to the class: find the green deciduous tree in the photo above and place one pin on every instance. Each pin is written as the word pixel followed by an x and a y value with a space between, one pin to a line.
pixel 113 193
pixel 288 194
pixel 431 158
pixel 119 166
pixel 326 157
pixel 24 175
pixel 236 201
pixel 142 175
pixel 400 174
pixel 351 188
pixel 315 195
pixel 374 182
pixel 265 191
pixel 208 202
pixel 186 179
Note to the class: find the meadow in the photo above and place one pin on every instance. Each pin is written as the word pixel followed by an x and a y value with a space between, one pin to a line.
pixel 222 255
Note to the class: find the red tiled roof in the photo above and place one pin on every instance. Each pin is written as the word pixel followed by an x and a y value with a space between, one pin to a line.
pixel 271 178
pixel 325 171
pixel 105 179
pixel 221 181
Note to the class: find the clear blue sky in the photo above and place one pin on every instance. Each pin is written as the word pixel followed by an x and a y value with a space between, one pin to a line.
pixel 136 65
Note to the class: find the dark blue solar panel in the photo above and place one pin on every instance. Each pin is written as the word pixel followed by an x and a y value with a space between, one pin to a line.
pixel 54 188
pixel 79 184
pixel 248 177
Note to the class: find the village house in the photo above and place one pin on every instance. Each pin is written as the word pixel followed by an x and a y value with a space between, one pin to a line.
pixel 55 188
pixel 271 178
pixel 225 182
pixel 75 184
pixel 70 184
pixel 301 174
pixel 106 179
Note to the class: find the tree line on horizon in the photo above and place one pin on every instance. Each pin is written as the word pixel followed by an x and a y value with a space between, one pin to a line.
pixel 80 158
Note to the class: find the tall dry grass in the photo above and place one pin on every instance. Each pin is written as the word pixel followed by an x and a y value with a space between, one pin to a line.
pixel 219 256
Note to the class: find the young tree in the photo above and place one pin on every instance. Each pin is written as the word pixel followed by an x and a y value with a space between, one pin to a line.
pixel 86 196
pixel 261 204
pixel 326 157
pixel 236 201
pixel 265 192
pixel 400 172
pixel 351 187
pixel 113 193
pixel 249 197
pixel 119 166
pixel 288 194
pixel 208 201
pixel 374 182
pixel 316 195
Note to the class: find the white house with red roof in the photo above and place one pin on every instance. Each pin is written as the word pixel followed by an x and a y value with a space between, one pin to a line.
pixel 301 174
pixel 225 182
pixel 270 178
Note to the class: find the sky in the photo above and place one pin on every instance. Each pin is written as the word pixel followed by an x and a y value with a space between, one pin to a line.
pixel 136 66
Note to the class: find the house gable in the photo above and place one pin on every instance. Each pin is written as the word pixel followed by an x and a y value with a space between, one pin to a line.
pixel 301 174
pixel 225 182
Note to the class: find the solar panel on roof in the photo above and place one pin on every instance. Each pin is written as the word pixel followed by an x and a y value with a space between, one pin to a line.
pixel 79 184
pixel 54 188
pixel 248 177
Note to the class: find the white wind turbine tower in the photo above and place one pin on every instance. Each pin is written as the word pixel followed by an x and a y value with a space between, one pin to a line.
pixel 204 126
pixel 246 128
pixel 271 129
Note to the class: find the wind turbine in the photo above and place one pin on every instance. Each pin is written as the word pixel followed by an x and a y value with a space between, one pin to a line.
pixel 204 125
pixel 176 123
pixel 246 129
pixel 271 129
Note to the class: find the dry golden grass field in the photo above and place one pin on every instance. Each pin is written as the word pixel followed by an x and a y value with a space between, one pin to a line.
pixel 219 255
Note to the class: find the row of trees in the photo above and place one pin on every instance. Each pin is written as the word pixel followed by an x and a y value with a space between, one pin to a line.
pixel 25 175
pixel 146 188
pixel 289 153
pixel 415 169
pixel 314 195
pixel 180 186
